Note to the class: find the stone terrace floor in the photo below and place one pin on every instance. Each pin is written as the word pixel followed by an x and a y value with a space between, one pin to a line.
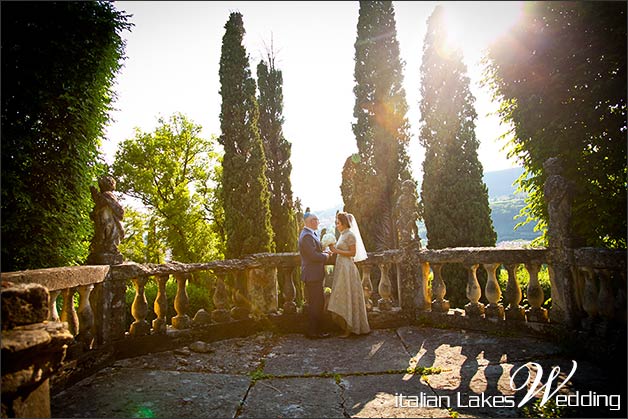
pixel 268 375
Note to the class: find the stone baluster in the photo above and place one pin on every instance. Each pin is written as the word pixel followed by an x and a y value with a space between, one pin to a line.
pixel 86 316
pixel 68 314
pixel 494 309
pixel 589 297
pixel 424 290
pixel 514 312
pixel 384 289
pixel 439 289
pixel 139 309
pixel 240 309
pixel 606 298
pixel 53 313
pixel 160 306
pixel 535 313
pixel 220 314
pixel 289 291
pixel 181 303
pixel 473 308
pixel 367 286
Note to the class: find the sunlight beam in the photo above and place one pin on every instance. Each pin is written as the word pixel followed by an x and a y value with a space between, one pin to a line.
pixel 479 23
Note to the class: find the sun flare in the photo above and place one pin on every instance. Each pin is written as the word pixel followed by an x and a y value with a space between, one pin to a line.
pixel 473 26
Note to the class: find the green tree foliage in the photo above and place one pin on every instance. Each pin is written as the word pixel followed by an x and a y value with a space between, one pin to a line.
pixel 59 60
pixel 453 195
pixel 166 170
pixel 142 242
pixel 372 177
pixel 246 197
pixel 561 77
pixel 213 204
pixel 298 208
pixel 277 151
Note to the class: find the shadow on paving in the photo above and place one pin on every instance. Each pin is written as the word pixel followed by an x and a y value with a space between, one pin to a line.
pixel 270 375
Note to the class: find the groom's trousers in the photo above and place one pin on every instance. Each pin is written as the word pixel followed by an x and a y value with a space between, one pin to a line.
pixel 315 306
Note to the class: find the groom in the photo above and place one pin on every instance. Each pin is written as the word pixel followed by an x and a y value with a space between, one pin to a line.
pixel 313 261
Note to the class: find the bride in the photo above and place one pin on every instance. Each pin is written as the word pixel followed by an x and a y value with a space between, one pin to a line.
pixel 347 297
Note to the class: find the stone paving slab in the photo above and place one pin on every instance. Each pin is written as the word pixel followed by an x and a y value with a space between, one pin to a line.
pixel 269 375
pixel 128 392
pixel 382 396
pixel 231 356
pixel 379 351
pixel 294 398
pixel 436 347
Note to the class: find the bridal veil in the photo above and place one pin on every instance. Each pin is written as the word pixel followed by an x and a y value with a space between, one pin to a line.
pixel 360 250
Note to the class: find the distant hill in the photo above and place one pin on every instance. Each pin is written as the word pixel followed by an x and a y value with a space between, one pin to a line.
pixel 500 183
pixel 504 203
pixel 327 217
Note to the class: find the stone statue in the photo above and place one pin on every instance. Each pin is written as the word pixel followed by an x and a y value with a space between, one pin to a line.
pixel 408 214
pixel 108 231
pixel 558 192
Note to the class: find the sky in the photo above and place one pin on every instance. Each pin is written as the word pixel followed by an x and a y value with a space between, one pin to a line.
pixel 173 55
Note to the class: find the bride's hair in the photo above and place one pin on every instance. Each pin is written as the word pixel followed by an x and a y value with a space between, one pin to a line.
pixel 344 219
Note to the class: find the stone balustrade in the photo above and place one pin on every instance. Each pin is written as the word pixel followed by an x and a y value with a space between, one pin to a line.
pixel 263 286
pixel 255 286
pixel 600 286
pixel 490 259
pixel 83 282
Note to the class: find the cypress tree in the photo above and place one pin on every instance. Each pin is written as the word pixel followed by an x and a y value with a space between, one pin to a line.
pixel 277 151
pixel 453 194
pixel 372 177
pixel 244 185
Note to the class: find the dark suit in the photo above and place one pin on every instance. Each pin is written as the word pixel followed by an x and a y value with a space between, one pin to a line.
pixel 312 274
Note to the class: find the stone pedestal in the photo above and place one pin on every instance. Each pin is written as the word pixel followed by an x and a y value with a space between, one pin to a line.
pixel 537 314
pixel 474 310
pixel 441 306
pixel 201 318
pixel 384 304
pixel 495 311
pixel 105 259
pixel 33 349
pixel 181 321
pixel 220 315
pixel 515 314
pixel 139 328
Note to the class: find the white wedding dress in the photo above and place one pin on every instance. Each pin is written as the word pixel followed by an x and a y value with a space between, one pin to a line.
pixel 347 295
